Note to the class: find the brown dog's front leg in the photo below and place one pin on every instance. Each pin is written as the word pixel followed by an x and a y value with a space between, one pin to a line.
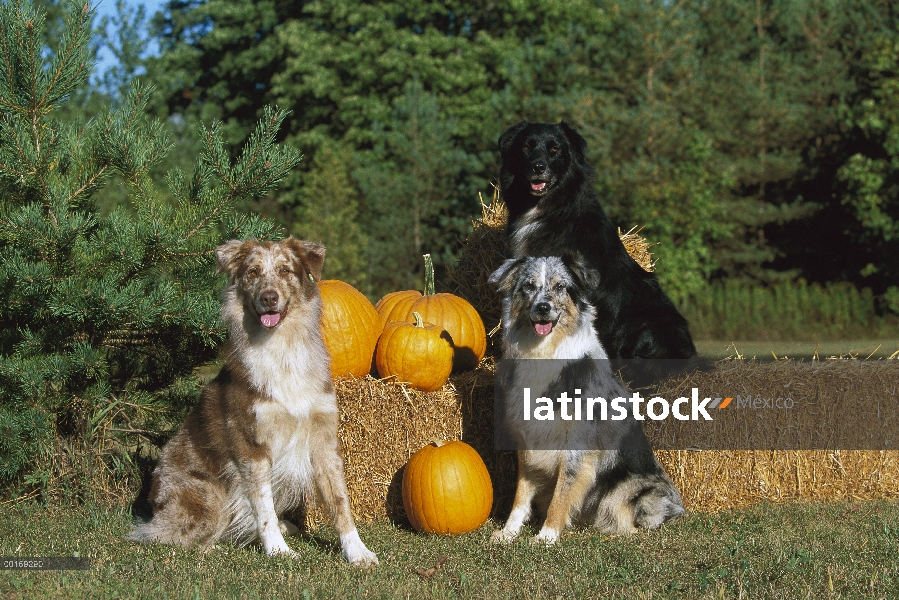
pixel 577 473
pixel 327 468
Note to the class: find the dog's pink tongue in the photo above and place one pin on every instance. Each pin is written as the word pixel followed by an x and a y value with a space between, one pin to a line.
pixel 543 328
pixel 270 319
pixel 537 187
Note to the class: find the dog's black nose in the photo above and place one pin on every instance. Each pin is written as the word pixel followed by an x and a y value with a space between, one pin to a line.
pixel 538 167
pixel 542 308
pixel 269 300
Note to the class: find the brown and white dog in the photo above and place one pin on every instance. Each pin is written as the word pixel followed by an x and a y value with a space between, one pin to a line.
pixel 263 437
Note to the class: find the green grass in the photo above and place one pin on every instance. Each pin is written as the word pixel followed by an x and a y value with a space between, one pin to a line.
pixel 789 311
pixel 767 551
pixel 767 350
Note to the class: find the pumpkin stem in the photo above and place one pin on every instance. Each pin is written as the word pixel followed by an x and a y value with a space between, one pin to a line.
pixel 429 275
pixel 418 320
pixel 437 442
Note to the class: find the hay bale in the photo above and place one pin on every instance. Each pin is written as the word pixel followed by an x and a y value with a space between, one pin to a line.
pixel 485 249
pixel 637 246
pixel 840 399
pixel 383 423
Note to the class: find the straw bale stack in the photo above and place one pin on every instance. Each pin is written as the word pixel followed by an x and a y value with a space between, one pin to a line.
pixel 383 423
pixel 485 249
pixel 839 399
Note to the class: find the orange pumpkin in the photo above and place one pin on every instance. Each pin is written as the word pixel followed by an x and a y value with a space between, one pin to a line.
pixel 457 316
pixel 447 489
pixel 395 306
pixel 418 353
pixel 350 327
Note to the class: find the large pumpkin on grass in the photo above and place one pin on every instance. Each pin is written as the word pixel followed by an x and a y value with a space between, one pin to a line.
pixel 417 353
pixel 350 327
pixel 447 489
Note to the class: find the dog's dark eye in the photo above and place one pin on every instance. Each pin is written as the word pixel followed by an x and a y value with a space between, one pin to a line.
pixel 553 149
pixel 529 287
pixel 559 287
pixel 252 273
pixel 284 271
pixel 526 149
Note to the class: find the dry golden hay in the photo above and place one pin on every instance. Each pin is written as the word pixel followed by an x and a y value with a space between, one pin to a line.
pixel 485 249
pixel 637 246
pixel 383 423
pixel 840 399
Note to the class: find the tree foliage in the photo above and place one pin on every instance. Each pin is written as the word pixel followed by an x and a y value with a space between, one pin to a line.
pixel 871 176
pixel 719 127
pixel 104 316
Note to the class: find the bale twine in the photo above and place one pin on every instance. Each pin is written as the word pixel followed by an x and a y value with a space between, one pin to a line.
pixel 383 423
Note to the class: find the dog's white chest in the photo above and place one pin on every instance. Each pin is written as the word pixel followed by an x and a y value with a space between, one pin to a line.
pixel 288 441
pixel 584 343
pixel 527 223
pixel 287 379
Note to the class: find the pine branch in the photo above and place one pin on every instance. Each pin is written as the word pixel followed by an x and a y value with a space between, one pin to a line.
pixel 106 306
pixel 66 76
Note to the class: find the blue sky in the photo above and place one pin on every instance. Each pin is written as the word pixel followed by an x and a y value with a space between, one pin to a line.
pixel 108 8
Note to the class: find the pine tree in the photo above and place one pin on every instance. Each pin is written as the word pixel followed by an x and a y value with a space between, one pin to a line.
pixel 104 316
pixel 328 212
pixel 413 207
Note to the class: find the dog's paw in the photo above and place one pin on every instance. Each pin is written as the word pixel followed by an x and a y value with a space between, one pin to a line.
pixel 356 553
pixel 364 560
pixel 545 538
pixel 503 536
pixel 287 528
pixel 281 551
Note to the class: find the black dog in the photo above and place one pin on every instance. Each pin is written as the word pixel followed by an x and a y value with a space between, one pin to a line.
pixel 547 185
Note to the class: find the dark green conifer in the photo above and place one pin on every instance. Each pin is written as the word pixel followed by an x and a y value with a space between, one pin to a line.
pixel 104 317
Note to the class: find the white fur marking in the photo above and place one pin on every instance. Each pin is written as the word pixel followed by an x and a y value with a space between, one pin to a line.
pixel 355 551
pixel 267 523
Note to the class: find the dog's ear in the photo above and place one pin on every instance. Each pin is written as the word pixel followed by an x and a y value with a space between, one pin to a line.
pixel 310 255
pixel 578 143
pixel 229 256
pixel 504 277
pixel 586 277
pixel 505 140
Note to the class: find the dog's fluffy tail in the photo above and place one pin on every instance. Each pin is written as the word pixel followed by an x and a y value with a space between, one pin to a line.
pixel 657 505
pixel 640 373
pixel 639 501
pixel 145 533
pixel 160 531
pixel 152 532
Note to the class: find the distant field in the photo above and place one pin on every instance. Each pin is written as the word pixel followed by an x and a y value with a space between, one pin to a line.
pixel 800 350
